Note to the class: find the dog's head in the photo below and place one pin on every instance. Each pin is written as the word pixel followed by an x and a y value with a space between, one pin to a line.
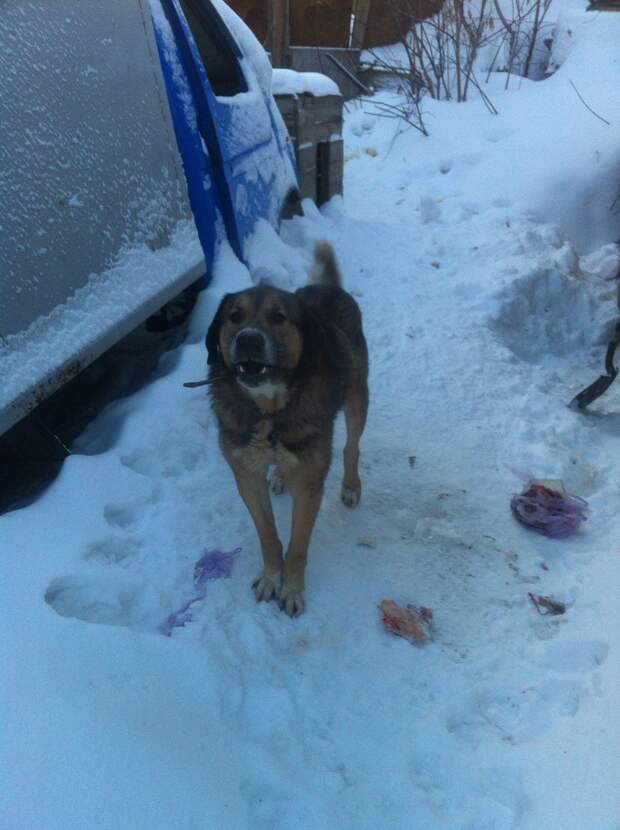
pixel 263 335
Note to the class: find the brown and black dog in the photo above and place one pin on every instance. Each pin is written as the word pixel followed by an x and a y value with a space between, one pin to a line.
pixel 282 365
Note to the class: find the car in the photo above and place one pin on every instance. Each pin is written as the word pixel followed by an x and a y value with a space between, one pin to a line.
pixel 137 137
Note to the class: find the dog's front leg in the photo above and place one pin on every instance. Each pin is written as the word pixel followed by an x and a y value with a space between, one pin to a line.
pixel 254 491
pixel 307 492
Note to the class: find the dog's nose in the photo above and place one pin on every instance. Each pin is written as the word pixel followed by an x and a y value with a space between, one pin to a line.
pixel 249 345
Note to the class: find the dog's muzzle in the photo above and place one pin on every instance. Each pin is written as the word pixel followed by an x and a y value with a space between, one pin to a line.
pixel 252 356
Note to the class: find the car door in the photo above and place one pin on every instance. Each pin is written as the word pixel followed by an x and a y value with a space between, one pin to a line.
pixel 250 163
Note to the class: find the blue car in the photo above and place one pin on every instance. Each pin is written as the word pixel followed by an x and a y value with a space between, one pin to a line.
pixel 137 136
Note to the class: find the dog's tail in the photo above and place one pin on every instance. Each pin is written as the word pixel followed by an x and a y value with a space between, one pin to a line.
pixel 324 270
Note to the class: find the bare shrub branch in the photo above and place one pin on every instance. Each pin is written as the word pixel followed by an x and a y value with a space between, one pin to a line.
pixel 600 117
pixel 439 55
pixel 522 32
pixel 441 51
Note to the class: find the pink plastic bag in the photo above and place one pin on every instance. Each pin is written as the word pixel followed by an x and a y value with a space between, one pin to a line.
pixel 413 623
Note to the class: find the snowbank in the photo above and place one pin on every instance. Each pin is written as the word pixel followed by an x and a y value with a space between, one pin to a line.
pixel 545 152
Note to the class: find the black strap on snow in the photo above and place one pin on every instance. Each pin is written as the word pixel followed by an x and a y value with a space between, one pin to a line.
pixel 602 383
pixel 193 384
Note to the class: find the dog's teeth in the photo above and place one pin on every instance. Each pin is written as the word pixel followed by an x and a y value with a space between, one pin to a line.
pixel 263 370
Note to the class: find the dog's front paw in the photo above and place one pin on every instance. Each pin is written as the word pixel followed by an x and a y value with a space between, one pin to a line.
pixel 276 482
pixel 292 601
pixel 267 586
pixel 351 495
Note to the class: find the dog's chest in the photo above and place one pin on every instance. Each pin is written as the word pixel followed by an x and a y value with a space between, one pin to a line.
pixel 265 449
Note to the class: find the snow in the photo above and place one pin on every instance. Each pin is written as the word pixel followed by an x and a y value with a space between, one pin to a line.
pixel 545 153
pixel 485 311
pixel 570 20
pixel 289 82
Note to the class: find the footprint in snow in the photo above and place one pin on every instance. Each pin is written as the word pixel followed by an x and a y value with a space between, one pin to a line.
pixel 575 657
pixel 165 461
pixel 516 714
pixel 113 550
pixel 120 516
pixel 467 796
pixel 495 136
pixel 124 515
pixel 107 600
pixel 139 462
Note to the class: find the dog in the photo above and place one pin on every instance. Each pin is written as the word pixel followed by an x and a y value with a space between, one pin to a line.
pixel 282 365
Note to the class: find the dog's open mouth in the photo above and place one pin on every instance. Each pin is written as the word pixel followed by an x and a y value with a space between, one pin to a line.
pixel 252 371
pixel 251 367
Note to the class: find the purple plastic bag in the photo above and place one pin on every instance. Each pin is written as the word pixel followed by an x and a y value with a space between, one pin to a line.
pixel 213 564
pixel 549 512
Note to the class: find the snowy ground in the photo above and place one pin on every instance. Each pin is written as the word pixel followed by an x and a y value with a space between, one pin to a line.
pixel 482 322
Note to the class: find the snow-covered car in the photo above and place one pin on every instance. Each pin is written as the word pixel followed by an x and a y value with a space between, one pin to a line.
pixel 136 136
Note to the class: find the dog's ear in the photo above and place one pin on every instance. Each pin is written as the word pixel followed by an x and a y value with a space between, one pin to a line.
pixel 213 335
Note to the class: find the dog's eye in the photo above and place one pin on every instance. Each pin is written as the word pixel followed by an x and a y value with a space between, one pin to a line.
pixel 277 317
pixel 236 317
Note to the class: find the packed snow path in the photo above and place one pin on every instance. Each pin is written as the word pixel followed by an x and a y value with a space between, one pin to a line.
pixel 478 336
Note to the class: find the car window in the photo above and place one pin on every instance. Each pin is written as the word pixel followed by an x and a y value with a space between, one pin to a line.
pixel 215 46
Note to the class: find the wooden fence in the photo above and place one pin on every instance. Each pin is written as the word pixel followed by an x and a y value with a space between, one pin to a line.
pixel 329 22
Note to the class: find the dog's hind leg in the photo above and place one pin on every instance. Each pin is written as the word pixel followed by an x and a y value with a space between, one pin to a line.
pixel 355 411
pixel 277 482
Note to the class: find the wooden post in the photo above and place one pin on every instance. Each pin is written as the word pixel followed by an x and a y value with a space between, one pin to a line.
pixel 279 31
pixel 361 10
